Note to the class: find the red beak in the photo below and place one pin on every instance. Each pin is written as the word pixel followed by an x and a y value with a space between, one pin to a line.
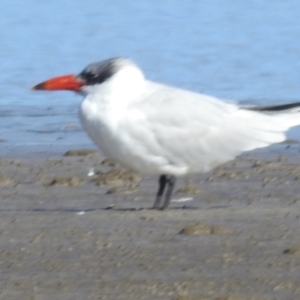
pixel 66 82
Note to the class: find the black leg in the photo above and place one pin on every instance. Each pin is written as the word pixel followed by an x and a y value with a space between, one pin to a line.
pixel 162 184
pixel 171 184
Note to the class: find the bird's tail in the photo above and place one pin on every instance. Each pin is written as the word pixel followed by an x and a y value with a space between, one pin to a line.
pixel 257 127
pixel 289 114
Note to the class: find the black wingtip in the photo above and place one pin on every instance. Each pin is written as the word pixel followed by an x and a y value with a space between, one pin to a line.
pixel 274 108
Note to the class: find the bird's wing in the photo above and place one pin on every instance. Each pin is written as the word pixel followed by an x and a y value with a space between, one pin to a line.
pixel 194 132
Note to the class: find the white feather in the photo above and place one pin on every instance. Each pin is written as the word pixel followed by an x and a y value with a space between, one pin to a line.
pixel 157 129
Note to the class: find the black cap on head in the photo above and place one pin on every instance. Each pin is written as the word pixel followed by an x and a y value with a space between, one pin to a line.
pixel 99 72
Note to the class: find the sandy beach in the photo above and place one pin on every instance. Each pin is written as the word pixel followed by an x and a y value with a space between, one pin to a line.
pixel 76 226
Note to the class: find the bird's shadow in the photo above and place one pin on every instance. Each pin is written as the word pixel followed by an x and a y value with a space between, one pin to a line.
pixel 112 208
pixel 185 207
pixel 109 208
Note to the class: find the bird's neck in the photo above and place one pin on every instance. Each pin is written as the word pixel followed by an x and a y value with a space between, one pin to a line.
pixel 108 102
pixel 121 90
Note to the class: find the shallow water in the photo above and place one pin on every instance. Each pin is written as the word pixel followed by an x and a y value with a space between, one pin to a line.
pixel 245 51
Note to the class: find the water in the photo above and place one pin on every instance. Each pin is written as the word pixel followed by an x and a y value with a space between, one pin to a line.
pixel 248 51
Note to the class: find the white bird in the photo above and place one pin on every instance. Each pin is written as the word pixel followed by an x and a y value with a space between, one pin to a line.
pixel 157 129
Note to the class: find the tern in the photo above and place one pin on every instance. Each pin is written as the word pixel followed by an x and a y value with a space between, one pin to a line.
pixel 154 128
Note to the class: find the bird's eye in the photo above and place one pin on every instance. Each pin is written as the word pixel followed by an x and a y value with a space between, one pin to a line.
pixel 88 76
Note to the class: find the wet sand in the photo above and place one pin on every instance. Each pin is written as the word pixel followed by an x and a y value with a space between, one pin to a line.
pixel 79 227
